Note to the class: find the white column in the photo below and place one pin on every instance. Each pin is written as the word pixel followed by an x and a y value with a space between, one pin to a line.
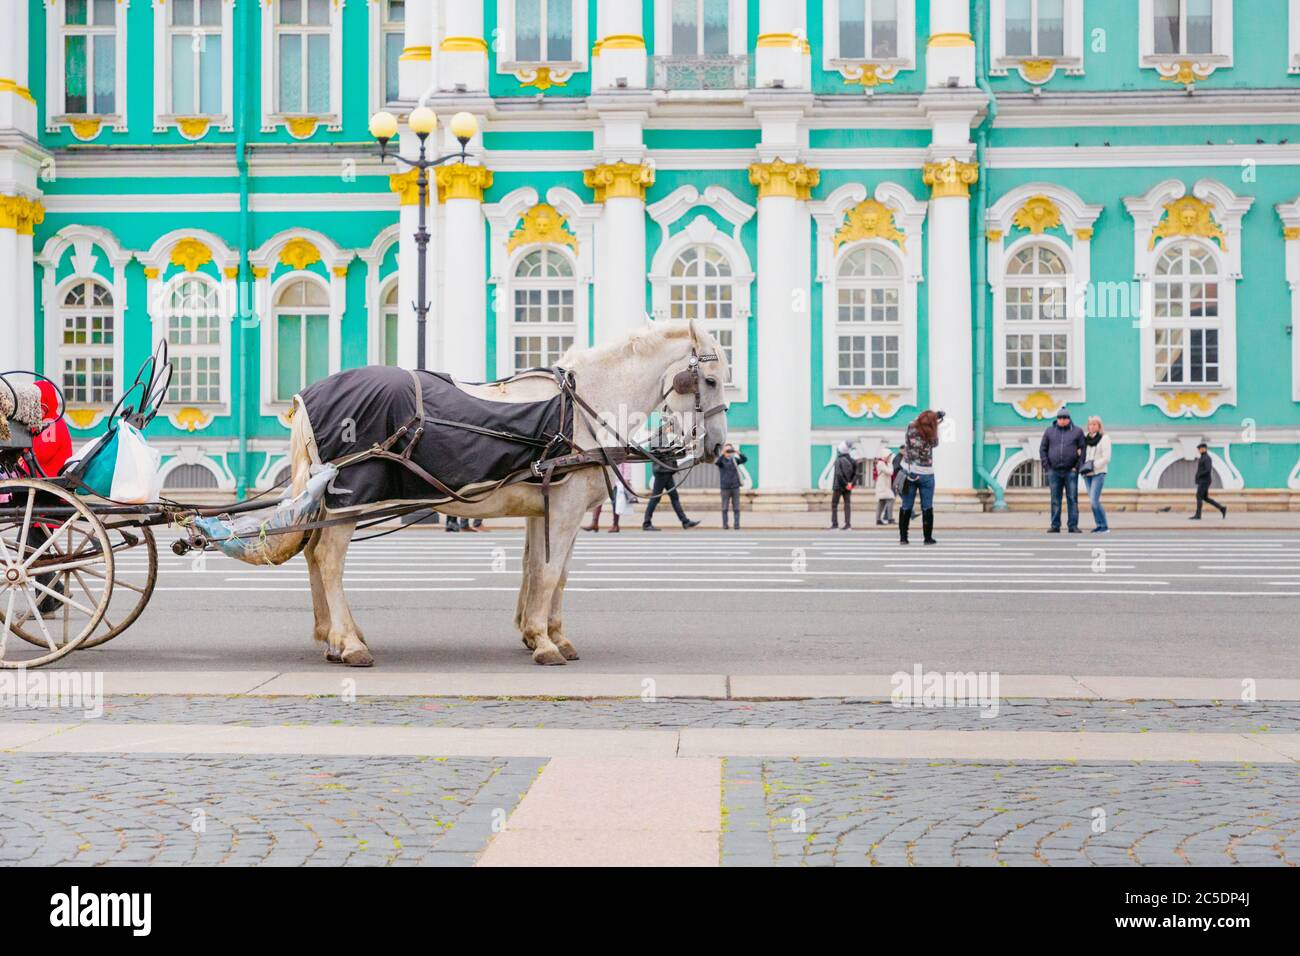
pixel 779 58
pixel 463 316
pixel 462 54
pixel 20 208
pixel 784 346
pixel 950 51
pixel 415 67
pixel 948 281
pixel 619 54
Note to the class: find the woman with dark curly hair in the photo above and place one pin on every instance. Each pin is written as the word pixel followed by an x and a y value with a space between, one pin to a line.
pixel 917 473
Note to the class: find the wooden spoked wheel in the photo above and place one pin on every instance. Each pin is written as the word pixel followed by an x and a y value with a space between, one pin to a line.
pixel 135 572
pixel 56 572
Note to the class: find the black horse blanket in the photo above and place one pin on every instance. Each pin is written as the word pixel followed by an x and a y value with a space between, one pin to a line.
pixel 467 440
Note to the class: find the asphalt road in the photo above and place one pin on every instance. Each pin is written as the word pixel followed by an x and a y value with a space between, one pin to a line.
pixel 1191 603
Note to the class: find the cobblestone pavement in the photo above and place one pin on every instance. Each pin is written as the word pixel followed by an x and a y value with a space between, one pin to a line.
pixel 870 812
pixel 1020 714
pixel 278 810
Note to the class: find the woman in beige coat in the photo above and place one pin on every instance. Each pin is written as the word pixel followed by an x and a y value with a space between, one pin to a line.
pixel 884 466
pixel 1096 459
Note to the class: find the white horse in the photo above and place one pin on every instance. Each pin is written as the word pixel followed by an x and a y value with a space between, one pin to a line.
pixel 618 380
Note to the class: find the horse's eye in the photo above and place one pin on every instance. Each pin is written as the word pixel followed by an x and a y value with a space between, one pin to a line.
pixel 710 381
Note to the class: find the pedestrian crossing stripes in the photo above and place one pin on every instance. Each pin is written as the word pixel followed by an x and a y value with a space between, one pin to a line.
pixel 1172 565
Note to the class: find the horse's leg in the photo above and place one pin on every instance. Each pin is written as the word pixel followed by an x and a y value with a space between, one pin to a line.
pixel 555 621
pixel 525 575
pixel 344 636
pixel 541 586
pixel 319 605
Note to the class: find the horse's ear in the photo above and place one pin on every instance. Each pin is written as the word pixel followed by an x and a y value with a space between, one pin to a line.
pixel 695 336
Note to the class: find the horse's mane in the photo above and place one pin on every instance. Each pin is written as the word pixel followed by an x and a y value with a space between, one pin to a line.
pixel 638 342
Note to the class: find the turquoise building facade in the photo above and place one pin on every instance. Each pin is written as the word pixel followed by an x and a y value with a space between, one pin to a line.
pixel 878 206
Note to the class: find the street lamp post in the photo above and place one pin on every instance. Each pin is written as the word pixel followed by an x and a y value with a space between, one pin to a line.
pixel 422 121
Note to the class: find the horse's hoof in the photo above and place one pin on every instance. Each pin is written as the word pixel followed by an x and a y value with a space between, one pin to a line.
pixel 333 658
pixel 358 658
pixel 550 655
pixel 568 650
pixel 529 642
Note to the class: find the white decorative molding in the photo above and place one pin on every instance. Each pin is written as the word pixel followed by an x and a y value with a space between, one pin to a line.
pixel 195 453
pixel 267 285
pixel 1185 68
pixel 377 287
pixel 869 71
pixel 1290 215
pixel 272 118
pixel 909 218
pixel 164 115
pixel 56 114
pixel 502 218
pixel 1167 450
pixel 1293 46
pixel 1036 68
pixel 701 230
pixel 81 242
pixel 1077 219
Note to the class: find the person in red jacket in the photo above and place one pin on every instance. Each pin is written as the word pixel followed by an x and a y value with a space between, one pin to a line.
pixel 52 444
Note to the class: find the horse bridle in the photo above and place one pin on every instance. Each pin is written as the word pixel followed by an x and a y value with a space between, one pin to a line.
pixel 687 382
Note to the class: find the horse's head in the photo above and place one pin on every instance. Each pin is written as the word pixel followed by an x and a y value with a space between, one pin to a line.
pixel 696 395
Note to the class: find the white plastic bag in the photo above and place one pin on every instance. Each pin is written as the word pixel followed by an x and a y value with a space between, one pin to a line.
pixel 136 478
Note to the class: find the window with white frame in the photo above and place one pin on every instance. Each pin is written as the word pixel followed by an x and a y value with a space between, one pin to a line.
pixel 1035 28
pixel 194 43
pixel 868 29
pixel 1183 27
pixel 393 30
pixel 1186 316
pixel 194 341
pixel 542 312
pixel 701 27
pixel 700 287
pixel 543 31
pixel 1036 321
pixel 868 320
pixel 302 319
pixel 388 325
pixel 90 33
pixel 86 345
pixel 303 52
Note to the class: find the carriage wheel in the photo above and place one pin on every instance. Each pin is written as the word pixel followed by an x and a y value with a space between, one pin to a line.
pixel 56 572
pixel 135 572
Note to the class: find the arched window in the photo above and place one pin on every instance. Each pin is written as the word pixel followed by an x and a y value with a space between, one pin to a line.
pixel 194 342
pixel 700 287
pixel 868 323
pixel 1036 327
pixel 543 318
pixel 86 317
pixel 388 327
pixel 301 337
pixel 1186 316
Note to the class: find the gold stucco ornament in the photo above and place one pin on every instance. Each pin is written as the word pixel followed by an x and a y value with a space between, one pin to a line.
pixel 1037 215
pixel 542 223
pixel 299 253
pixel 1188 216
pixel 619 180
pixel 870 219
pixel 190 253
pixel 950 178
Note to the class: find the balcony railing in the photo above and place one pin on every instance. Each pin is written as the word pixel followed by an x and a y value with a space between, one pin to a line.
pixel 699 72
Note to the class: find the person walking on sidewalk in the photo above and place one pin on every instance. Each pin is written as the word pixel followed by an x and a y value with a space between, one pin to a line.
pixel 624 501
pixel 884 471
pixel 917 474
pixel 729 483
pixel 843 471
pixel 1204 475
pixel 1096 459
pixel 1061 452
pixel 665 479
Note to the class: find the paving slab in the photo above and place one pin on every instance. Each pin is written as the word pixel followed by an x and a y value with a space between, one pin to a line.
pixel 183 682
pixel 1192 688
pixel 986 745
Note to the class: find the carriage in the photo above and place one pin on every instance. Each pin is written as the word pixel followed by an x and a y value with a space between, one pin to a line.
pixel 78 564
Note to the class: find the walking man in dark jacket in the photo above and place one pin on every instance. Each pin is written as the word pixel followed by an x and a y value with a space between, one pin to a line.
pixel 729 483
pixel 842 474
pixel 665 479
pixel 1061 451
pixel 1204 475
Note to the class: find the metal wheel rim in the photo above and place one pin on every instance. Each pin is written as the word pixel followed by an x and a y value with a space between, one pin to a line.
pixel 78 541
pixel 113 623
